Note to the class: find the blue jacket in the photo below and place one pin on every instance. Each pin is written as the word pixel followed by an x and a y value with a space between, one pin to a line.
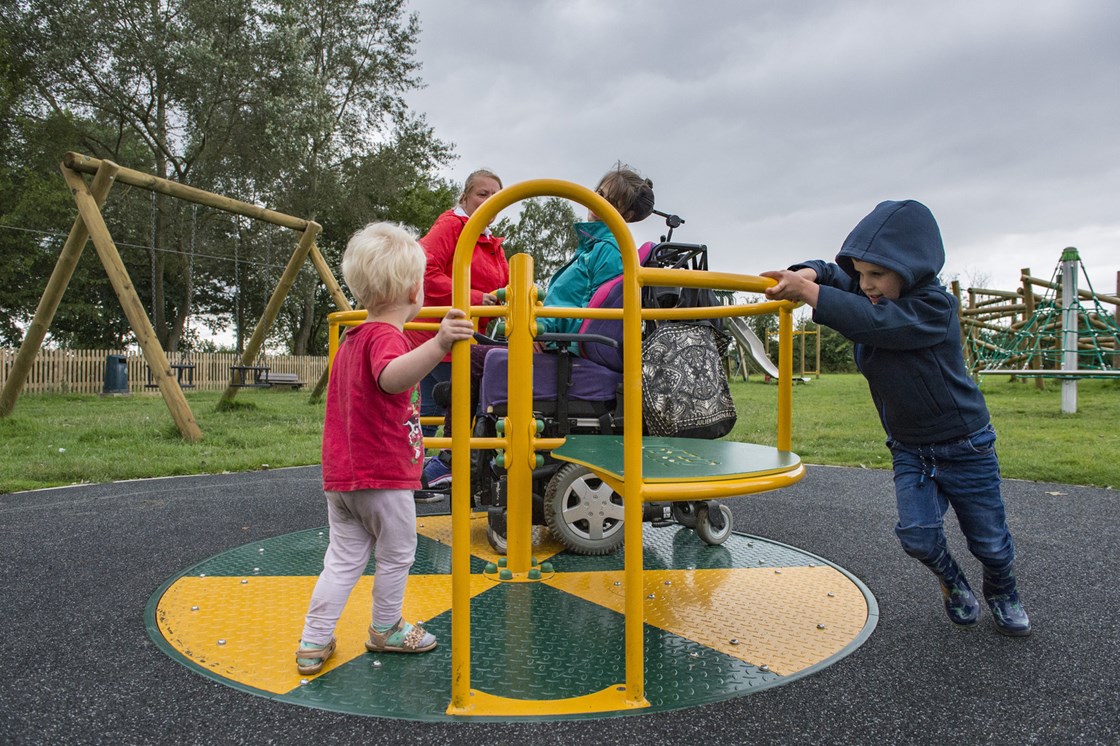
pixel 595 261
pixel 908 349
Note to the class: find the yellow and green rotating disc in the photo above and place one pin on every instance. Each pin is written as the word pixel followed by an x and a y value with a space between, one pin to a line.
pixel 720 622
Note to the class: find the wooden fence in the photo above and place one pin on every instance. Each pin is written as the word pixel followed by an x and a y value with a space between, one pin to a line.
pixel 83 371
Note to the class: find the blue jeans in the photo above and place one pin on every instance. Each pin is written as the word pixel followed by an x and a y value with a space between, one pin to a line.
pixel 964 474
pixel 428 405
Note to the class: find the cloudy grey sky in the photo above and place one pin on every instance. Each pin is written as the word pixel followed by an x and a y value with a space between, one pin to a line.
pixel 773 126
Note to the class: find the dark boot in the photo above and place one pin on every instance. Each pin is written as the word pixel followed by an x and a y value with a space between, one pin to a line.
pixel 1003 599
pixel 960 603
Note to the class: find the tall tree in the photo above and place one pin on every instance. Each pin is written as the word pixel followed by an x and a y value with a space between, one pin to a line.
pixel 336 120
pixel 36 209
pixel 157 85
pixel 297 104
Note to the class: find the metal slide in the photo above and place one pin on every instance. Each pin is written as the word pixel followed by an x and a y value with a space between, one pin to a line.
pixel 748 340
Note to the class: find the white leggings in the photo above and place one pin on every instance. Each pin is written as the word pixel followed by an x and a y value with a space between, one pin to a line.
pixel 383 521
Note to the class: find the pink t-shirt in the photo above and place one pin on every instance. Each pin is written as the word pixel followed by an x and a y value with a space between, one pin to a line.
pixel 371 439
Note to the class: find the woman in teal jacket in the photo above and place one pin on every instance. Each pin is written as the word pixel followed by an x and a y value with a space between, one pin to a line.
pixel 597 258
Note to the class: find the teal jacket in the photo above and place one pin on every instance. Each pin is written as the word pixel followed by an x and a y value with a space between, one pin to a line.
pixel 595 261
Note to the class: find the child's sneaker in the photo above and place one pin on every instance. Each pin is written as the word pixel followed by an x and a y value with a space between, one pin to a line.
pixel 310 658
pixel 436 474
pixel 402 637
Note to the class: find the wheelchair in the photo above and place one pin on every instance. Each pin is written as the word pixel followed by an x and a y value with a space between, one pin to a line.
pixel 577 394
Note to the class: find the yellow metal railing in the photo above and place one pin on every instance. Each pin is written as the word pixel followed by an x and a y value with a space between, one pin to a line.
pixel 518 433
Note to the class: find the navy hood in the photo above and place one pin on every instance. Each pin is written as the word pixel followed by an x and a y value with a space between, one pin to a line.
pixel 901 236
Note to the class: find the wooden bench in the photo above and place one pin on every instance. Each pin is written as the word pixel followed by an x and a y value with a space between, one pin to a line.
pixel 185 381
pixel 248 376
pixel 291 380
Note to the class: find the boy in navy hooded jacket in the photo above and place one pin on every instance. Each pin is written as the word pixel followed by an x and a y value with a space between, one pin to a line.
pixel 884 295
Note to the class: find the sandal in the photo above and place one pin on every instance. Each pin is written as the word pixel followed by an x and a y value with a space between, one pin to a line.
pixel 310 661
pixel 402 637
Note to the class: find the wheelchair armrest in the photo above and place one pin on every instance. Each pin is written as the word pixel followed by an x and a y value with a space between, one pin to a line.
pixel 482 339
pixel 597 338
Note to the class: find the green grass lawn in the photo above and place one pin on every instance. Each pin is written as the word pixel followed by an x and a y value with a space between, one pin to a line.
pixel 834 422
pixel 53 440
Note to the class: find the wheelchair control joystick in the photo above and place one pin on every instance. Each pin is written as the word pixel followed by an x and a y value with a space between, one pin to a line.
pixel 672 221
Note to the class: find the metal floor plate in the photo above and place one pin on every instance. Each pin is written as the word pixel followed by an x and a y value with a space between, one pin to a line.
pixel 720 622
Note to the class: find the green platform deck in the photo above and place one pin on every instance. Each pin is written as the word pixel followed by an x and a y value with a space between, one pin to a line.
pixel 678 459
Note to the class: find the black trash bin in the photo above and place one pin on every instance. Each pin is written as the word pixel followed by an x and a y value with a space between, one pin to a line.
pixel 116 375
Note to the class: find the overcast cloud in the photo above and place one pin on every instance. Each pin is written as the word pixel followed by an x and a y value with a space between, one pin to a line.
pixel 773 127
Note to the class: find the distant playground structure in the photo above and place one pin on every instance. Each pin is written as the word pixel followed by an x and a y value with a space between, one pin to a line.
pixel 750 350
pixel 1065 333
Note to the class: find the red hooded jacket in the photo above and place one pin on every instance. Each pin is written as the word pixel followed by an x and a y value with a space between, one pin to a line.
pixel 489 268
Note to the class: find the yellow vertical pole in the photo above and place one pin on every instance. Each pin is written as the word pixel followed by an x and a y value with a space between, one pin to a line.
pixel 332 343
pixel 461 478
pixel 633 497
pixel 520 456
pixel 801 338
pixel 818 352
pixel 52 295
pixel 785 379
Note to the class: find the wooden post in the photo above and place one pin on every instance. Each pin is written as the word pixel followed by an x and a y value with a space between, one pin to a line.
pixel 295 263
pixel 1033 361
pixel 328 279
pixel 52 296
pixel 340 300
pixel 965 347
pixel 133 308
pixel 320 386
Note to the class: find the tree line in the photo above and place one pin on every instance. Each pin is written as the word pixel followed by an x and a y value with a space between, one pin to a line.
pixel 298 105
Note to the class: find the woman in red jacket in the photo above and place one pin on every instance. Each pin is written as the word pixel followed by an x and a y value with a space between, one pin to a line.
pixel 489 272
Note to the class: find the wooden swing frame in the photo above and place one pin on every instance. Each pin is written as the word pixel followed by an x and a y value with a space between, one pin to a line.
pixel 90 225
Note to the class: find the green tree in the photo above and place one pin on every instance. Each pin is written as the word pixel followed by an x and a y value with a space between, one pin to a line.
pixel 836 351
pixel 36 210
pixel 351 150
pixel 544 231
pixel 296 104
pixel 157 85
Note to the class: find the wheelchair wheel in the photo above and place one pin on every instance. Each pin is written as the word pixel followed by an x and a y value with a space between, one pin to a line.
pixel 496 527
pixel 684 513
pixel 583 512
pixel 704 528
pixel 497 540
